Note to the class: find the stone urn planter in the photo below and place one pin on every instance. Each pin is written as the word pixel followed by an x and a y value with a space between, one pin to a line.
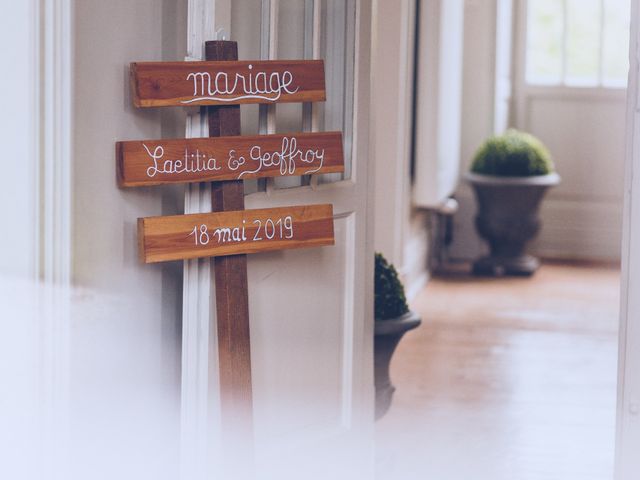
pixel 507 219
pixel 510 175
pixel 388 334
pixel 392 320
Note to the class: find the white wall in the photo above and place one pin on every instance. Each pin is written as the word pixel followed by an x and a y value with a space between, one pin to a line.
pixel 125 340
pixel 400 233
pixel 438 101
pixel 582 218
pixel 19 117
pixel 478 87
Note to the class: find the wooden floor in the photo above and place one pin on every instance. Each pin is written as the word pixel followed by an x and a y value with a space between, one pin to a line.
pixel 507 379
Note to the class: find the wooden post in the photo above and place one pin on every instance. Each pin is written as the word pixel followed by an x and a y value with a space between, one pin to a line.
pixel 232 300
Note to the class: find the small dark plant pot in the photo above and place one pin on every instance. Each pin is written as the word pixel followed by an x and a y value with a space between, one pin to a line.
pixel 507 219
pixel 387 336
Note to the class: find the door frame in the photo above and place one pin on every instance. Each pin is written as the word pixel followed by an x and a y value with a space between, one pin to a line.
pixel 393 64
pixel 628 409
pixel 46 202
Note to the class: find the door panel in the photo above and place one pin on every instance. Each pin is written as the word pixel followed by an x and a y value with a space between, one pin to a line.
pixel 311 310
pixel 295 325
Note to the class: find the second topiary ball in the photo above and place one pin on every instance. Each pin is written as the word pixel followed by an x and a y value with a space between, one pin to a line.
pixel 512 154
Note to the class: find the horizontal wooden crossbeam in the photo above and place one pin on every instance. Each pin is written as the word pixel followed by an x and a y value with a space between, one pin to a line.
pixel 165 84
pixel 216 234
pixel 157 162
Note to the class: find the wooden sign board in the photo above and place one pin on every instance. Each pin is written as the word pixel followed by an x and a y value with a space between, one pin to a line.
pixel 180 237
pixel 156 162
pixel 163 84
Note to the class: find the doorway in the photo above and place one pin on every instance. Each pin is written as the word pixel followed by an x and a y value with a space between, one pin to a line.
pixel 471 427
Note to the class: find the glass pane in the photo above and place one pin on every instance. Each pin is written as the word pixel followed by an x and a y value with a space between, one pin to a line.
pixel 337 49
pixel 615 50
pixel 245 25
pixel 291 33
pixel 544 42
pixel 583 42
pixel 290 47
pixel 338 52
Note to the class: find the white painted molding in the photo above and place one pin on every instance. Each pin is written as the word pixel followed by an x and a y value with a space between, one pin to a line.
pixel 196 293
pixel 417 285
pixel 52 129
pixel 199 380
pixel 53 136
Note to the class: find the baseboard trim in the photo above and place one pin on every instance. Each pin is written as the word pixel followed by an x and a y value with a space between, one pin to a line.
pixel 415 286
pixel 587 229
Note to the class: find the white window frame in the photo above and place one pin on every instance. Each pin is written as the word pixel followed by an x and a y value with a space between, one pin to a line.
pixel 525 92
pixel 562 85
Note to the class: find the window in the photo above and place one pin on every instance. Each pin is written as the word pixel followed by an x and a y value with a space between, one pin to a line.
pixel 578 43
pixel 324 29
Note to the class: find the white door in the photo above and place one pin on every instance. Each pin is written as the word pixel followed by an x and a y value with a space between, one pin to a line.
pixel 143 352
pixel 311 310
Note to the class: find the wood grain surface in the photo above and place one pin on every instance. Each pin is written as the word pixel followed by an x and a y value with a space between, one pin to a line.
pixel 163 84
pixel 216 234
pixel 232 301
pixel 157 162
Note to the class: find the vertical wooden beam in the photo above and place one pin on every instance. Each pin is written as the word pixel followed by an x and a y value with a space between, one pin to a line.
pixel 232 301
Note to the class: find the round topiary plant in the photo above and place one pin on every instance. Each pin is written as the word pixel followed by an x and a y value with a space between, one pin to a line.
pixel 512 154
pixel 390 301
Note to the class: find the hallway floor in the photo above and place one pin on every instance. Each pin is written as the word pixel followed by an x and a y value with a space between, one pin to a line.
pixel 506 379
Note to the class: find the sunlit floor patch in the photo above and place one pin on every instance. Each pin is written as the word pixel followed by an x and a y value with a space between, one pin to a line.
pixel 507 379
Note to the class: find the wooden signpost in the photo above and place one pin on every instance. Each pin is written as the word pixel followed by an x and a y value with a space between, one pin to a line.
pixel 230 232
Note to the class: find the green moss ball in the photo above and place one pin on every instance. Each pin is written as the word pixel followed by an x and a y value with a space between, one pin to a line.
pixel 512 154
pixel 390 300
